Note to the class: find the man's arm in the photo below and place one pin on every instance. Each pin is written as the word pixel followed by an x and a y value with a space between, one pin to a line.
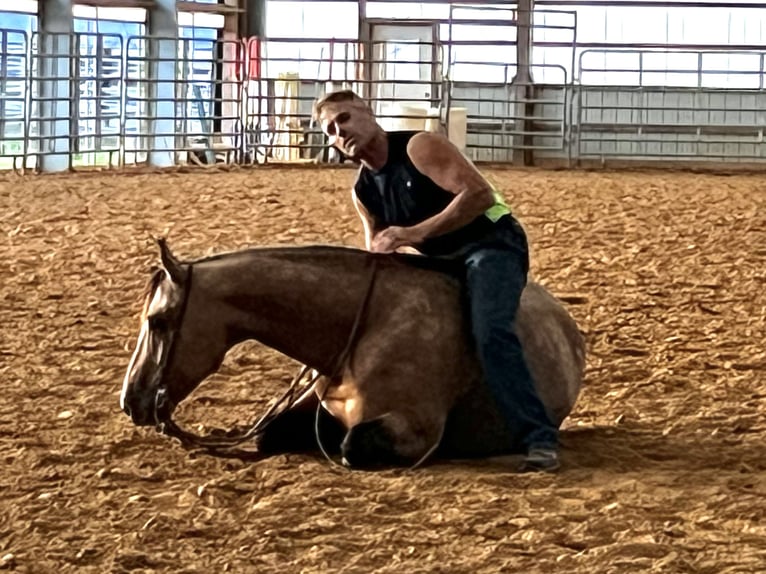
pixel 368 221
pixel 437 158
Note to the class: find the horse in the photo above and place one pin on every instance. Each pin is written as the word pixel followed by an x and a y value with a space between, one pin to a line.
pixel 387 333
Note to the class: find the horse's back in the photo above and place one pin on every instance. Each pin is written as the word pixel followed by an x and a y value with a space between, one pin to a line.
pixel 553 344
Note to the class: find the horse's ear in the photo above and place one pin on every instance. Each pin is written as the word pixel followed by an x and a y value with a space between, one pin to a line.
pixel 172 265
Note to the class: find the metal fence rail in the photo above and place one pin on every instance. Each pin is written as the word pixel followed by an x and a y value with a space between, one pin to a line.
pixel 98 80
pixel 14 104
pixel 514 116
pixel 69 96
pixel 182 96
pixel 104 99
pixel 668 111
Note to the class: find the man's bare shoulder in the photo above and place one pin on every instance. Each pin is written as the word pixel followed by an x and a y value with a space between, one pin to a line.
pixel 429 148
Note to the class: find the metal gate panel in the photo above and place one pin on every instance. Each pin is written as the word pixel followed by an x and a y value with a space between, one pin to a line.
pixel 689 121
pixel 135 119
pixel 211 96
pixel 513 116
pixel 98 98
pixel 183 96
pixel 14 93
pixel 52 95
pixel 405 73
pixel 285 77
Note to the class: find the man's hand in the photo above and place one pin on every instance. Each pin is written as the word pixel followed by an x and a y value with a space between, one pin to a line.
pixel 392 238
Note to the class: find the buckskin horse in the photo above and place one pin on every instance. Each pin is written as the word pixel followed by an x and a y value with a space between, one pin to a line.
pixel 387 333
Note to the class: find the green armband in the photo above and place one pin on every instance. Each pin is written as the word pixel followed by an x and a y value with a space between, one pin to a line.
pixel 499 209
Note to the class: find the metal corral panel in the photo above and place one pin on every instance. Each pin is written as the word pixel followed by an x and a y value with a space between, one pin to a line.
pixel 508 117
pixel 651 123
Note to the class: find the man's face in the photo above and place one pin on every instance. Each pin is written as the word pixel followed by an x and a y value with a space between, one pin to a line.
pixel 349 125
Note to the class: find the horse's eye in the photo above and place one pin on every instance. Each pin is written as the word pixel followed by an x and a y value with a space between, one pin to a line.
pixel 157 324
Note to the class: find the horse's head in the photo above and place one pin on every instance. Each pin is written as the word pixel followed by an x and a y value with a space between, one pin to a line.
pixel 177 345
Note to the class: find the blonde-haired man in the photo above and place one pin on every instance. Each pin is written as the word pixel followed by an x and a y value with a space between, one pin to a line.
pixel 417 190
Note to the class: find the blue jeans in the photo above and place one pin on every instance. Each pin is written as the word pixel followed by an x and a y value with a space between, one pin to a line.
pixel 495 277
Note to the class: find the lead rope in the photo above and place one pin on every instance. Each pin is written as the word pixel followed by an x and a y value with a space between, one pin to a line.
pixel 345 354
pixel 215 444
pixel 431 450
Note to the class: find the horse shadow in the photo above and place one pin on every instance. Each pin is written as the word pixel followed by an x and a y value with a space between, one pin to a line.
pixel 642 448
pixel 615 449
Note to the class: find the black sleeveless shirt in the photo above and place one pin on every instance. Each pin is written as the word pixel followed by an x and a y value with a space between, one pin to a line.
pixel 398 194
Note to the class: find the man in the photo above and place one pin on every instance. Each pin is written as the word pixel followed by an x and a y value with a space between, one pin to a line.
pixel 415 189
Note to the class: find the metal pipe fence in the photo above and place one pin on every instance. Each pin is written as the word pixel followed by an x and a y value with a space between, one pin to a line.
pixel 103 99
pixel 182 96
pixel 14 96
pixel 660 105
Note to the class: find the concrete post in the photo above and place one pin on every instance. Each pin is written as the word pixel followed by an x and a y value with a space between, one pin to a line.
pixel 228 91
pixel 252 25
pixel 55 61
pixel 162 52
pixel 253 19
pixel 365 47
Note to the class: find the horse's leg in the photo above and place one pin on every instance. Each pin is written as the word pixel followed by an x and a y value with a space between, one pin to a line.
pixel 391 439
pixel 294 430
pixel 400 386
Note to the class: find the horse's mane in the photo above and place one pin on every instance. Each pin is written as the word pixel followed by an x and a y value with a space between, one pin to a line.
pixel 441 264
pixel 285 250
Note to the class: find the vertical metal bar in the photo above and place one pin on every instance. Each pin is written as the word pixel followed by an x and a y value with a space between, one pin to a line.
pixel 100 53
pixel 448 76
pixel 435 68
pixel 77 98
pixel 574 46
pixel 121 120
pixel 3 85
pixel 28 68
pixel 739 122
pixel 665 110
pixel 640 141
pixel 74 96
pixel 571 89
pixel 580 90
pixel 184 85
pixel 698 139
pixel 215 108
pixel 126 59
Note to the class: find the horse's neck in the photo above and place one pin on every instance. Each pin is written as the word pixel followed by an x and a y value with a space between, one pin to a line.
pixel 301 302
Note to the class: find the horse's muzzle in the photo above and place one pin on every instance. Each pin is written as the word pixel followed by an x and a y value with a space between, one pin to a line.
pixel 148 409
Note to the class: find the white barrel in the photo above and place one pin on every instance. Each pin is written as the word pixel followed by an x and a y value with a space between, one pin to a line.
pixel 395 121
pixel 433 121
pixel 457 126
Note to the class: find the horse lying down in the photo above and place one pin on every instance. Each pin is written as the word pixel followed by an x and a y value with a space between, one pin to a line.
pixel 400 379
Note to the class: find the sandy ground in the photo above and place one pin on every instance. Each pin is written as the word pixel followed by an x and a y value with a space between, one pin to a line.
pixel 664 456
